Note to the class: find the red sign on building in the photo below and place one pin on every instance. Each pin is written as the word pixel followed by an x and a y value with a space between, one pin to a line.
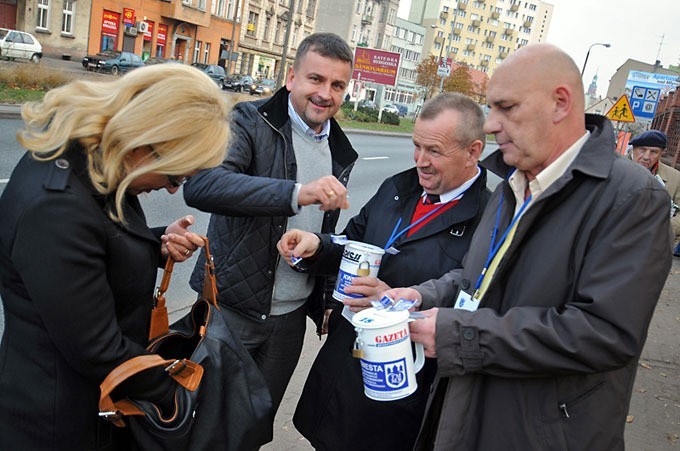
pixel 129 17
pixel 149 32
pixel 162 33
pixel 110 21
pixel 376 66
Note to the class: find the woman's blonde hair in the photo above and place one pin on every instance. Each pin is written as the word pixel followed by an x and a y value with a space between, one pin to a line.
pixel 177 110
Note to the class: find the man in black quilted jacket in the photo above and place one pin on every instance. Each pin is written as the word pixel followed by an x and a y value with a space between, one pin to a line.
pixel 287 167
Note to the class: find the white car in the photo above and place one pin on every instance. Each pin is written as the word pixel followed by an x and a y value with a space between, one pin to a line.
pixel 19 44
pixel 391 109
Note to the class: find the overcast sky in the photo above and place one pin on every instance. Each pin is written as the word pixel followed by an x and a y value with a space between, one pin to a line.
pixel 633 28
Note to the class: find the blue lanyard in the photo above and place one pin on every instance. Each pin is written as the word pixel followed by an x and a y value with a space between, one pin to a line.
pixel 493 249
pixel 395 236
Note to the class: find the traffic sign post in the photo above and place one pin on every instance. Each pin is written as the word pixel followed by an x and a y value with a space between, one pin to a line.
pixel 444 68
pixel 621 111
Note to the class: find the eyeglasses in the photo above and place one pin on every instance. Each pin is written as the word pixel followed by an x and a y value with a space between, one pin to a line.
pixel 175 181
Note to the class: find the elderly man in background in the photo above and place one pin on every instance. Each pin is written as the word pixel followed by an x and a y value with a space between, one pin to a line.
pixel 538 336
pixel 647 149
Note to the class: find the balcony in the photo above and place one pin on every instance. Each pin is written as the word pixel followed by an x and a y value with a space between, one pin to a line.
pixel 366 19
pixel 514 6
pixel 490 38
pixel 439 40
pixel 444 15
pixel 484 63
pixel 528 22
pixel 178 11
pixel 456 31
pixel 508 31
pixel 476 23
pixel 462 6
pixel 502 54
pixel 495 15
pixel 470 47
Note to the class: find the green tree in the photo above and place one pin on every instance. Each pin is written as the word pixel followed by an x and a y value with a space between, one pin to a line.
pixel 460 80
pixel 427 75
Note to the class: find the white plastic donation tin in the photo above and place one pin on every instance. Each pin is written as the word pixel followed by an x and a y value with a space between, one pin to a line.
pixel 358 259
pixel 384 343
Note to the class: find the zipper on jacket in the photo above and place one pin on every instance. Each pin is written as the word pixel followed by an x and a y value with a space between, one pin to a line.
pixel 563 406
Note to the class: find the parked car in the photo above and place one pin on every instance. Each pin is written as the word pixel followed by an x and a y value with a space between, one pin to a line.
pixel 368 104
pixel 237 82
pixel 264 87
pixel 403 109
pixel 213 71
pixel 157 60
pixel 113 61
pixel 19 44
pixel 391 109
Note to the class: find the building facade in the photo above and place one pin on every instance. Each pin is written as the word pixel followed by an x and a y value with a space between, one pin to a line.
pixel 482 33
pixel 203 31
pixel 61 26
pixel 407 40
pixel 193 31
pixel 667 119
pixel 266 34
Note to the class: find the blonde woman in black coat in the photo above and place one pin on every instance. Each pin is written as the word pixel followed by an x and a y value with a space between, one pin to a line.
pixel 78 262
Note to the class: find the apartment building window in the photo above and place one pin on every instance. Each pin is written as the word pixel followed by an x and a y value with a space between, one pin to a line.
pixel 206 53
pixel 186 2
pixel 277 32
pixel 311 7
pixel 197 52
pixel 67 16
pixel 293 42
pixel 358 10
pixel 43 14
pixel 267 26
pixel 419 39
pixel 299 6
pixel 201 5
pixel 354 33
pixel 252 23
pixel 378 41
pixel 230 9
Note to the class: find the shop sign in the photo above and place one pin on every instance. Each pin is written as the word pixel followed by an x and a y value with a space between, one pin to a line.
pixel 129 17
pixel 110 21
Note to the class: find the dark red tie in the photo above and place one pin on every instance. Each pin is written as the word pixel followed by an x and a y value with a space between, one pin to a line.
pixel 431 199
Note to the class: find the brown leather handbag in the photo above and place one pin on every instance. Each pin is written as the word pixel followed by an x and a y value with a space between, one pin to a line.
pixel 221 400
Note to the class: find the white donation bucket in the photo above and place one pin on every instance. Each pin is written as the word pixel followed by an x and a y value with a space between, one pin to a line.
pixel 358 259
pixel 387 365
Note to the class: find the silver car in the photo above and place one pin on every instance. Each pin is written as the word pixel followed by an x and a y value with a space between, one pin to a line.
pixel 19 44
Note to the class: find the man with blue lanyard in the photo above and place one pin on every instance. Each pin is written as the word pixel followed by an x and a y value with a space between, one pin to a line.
pixel 425 218
pixel 538 336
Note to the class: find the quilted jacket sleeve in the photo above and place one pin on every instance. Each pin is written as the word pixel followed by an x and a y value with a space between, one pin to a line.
pixel 239 187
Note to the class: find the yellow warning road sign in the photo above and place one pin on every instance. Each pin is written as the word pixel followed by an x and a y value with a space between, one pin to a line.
pixel 621 111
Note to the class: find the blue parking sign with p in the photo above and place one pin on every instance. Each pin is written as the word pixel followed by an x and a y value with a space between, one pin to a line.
pixel 643 101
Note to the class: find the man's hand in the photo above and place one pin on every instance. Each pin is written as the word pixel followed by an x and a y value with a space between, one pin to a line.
pixel 405 293
pixel 327 191
pixel 298 243
pixel 370 287
pixel 425 331
pixel 178 242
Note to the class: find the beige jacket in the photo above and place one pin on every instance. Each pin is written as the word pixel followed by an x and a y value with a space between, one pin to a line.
pixel 671 179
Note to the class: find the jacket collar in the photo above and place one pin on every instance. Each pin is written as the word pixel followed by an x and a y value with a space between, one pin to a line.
pixel 591 160
pixel 467 208
pixel 275 110
pixel 134 215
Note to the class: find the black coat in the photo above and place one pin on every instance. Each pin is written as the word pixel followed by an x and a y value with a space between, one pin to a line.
pixel 333 413
pixel 250 198
pixel 77 292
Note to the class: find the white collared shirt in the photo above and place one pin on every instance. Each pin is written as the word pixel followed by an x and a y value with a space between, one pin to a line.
pixel 325 130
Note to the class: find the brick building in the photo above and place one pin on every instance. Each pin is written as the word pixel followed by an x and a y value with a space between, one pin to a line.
pixel 667 119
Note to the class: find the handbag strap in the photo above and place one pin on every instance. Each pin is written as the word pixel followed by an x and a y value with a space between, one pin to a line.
pixel 159 315
pixel 188 374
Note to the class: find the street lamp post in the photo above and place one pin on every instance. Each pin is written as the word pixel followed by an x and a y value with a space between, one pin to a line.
pixel 588 54
pixel 453 25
